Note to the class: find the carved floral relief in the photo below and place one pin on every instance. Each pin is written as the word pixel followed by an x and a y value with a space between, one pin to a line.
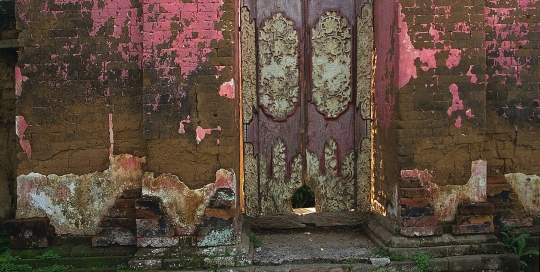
pixel 331 61
pixel 278 67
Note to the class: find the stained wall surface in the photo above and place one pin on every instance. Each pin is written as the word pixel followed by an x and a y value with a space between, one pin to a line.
pixel 126 77
pixel 455 82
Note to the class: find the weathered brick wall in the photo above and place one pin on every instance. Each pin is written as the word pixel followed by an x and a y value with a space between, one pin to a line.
pixel 8 152
pixel 189 99
pixel 79 66
pixel 101 77
pixel 459 84
pixel 440 105
pixel 513 93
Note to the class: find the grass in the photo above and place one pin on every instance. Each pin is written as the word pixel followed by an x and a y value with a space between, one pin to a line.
pixel 255 240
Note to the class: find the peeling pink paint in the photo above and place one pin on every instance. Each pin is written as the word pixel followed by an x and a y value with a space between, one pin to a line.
pixel 19 78
pixel 201 132
pixel 474 79
pixel 20 128
pixel 458 122
pixel 187 47
pixel 469 114
pixel 454 58
pixel 407 53
pixel 111 134
pixel 508 33
pixel 181 129
pixel 457 104
pixel 156 104
pixel 227 89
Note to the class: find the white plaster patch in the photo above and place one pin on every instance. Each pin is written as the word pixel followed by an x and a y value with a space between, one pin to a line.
pixel 528 189
pixel 75 204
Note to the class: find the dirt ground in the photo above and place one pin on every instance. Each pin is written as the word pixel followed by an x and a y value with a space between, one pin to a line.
pixel 312 245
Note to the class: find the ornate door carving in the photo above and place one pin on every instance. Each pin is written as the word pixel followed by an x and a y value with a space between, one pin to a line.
pixel 306 86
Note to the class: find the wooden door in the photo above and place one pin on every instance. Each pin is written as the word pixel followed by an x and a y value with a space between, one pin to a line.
pixel 302 125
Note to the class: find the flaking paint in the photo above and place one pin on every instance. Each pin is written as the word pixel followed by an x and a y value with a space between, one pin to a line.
pixel 184 206
pixel 227 89
pixel 445 199
pixel 527 188
pixel 75 204
pixel 201 132
pixel 19 79
pixel 20 128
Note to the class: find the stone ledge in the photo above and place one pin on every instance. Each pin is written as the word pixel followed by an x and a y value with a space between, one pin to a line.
pixel 9 43
pixel 442 246
pixel 296 221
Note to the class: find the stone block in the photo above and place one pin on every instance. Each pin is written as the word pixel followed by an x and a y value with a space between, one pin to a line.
pixel 474 219
pixel 154 264
pixel 184 262
pixel 32 227
pixel 475 208
pixel 220 213
pixel 148 214
pixel 119 222
pixel 421 231
pixel 416 211
pixel 496 179
pixel 121 213
pixel 223 198
pixel 112 236
pixel 185 231
pixel 148 203
pixel 413 193
pixel 165 241
pixel 473 228
pixel 421 221
pixel 415 202
pixel 124 203
pixel 410 183
pixel 153 228
pixel 217 232
pixel 132 193
pixel 21 243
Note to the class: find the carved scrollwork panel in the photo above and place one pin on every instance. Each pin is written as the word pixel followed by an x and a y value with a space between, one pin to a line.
pixel 278 67
pixel 277 190
pixel 251 186
pixel 333 191
pixel 363 176
pixel 364 61
pixel 331 62
pixel 249 77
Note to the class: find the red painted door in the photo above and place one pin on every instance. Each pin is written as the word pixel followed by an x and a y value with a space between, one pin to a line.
pixel 301 127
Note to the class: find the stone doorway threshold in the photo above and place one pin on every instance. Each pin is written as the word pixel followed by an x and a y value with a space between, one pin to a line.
pixel 313 245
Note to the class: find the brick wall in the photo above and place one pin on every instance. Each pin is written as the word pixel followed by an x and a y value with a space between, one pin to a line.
pixel 440 105
pixel 119 77
pixel 189 118
pixel 455 82
pixel 513 92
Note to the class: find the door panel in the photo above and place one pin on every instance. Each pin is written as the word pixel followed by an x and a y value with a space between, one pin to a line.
pixel 330 111
pixel 302 130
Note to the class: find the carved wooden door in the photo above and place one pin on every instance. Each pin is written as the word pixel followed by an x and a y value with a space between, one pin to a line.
pixel 304 119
